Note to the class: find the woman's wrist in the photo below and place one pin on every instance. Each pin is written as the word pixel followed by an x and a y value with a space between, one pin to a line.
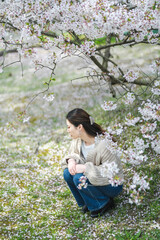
pixel 71 160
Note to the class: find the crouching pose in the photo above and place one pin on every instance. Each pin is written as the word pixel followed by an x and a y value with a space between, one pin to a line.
pixel 90 168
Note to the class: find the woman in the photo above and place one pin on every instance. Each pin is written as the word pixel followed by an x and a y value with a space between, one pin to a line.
pixel 88 168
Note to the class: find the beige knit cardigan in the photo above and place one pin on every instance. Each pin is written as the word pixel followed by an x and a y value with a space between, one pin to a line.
pixel 96 162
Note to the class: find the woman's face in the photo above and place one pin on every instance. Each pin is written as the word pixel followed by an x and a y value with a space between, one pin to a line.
pixel 72 130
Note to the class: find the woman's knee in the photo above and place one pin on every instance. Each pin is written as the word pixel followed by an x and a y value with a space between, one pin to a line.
pixel 66 175
pixel 111 191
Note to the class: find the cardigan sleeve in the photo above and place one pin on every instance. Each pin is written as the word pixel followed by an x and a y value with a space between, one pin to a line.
pixel 73 152
pixel 105 166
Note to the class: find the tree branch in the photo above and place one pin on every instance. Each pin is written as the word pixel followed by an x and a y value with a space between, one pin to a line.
pixel 49 34
pixel 10 24
pixel 119 44
pixel 14 50
pixel 7 51
pixel 109 60
pixel 98 64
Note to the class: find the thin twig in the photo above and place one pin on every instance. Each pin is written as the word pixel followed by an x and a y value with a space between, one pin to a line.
pixel 36 95
pixel 18 61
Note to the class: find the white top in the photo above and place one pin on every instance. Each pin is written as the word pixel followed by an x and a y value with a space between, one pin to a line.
pixel 86 149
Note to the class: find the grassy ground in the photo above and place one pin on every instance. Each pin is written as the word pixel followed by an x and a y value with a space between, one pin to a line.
pixel 35 202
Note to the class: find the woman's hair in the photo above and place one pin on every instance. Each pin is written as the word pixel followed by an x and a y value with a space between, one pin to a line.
pixel 79 116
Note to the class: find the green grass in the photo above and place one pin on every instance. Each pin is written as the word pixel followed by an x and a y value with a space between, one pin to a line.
pixel 12 81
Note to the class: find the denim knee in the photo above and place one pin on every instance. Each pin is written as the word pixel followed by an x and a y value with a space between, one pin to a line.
pixel 76 178
pixel 66 175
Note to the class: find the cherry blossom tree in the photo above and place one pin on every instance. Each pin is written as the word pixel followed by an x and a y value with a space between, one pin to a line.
pixel 89 29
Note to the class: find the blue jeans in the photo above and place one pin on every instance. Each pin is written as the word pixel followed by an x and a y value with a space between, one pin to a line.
pixel 95 197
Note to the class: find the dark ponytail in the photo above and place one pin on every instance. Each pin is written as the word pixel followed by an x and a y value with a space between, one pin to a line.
pixel 79 116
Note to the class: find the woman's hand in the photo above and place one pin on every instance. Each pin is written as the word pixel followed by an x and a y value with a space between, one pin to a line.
pixel 80 168
pixel 72 166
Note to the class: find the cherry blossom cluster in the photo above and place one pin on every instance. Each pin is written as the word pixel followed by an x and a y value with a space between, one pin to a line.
pixel 150 110
pixel 83 182
pixel 117 129
pixel 133 157
pixel 137 180
pixel 129 98
pixel 49 98
pixel 130 120
pixel 110 170
pixel 148 127
pixel 131 76
pixel 156 144
pixel 109 105
pixel 138 185
pixel 155 66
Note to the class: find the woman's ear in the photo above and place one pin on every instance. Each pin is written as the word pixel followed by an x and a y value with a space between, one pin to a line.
pixel 80 126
